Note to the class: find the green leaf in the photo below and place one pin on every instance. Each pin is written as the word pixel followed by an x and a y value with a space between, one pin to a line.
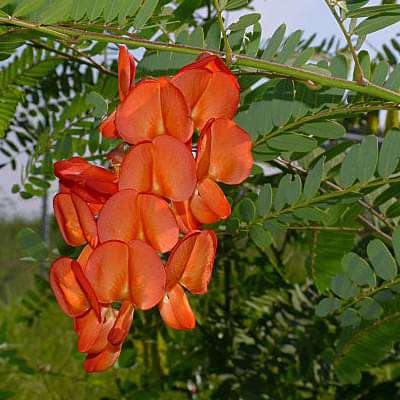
pixel 324 129
pixel 342 286
pixel 358 270
pixel 213 38
pixel 274 43
pixel 293 142
pixel 234 4
pixel 349 167
pixel 99 103
pixel 350 317
pixel 396 244
pixel 393 82
pixel 280 195
pixel 264 201
pixel 381 259
pixel 7 394
pixel 374 24
pixel 145 13
pixel 244 21
pixel 389 153
pixel 369 309
pixel 260 236
pixel 379 73
pixel 247 210
pixel 368 159
pixel 31 244
pixel 330 248
pixel 373 11
pixel 327 306
pixel 293 191
pixel 313 180
pixel 289 47
pixel 25 8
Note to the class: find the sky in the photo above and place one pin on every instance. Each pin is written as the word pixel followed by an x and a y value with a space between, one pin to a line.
pixel 309 15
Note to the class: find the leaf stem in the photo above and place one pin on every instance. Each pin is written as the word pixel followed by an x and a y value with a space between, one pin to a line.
pixel 240 60
pixel 228 48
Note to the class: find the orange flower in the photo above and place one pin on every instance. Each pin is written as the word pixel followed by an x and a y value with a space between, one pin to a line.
pixel 189 265
pixel 210 89
pixel 165 167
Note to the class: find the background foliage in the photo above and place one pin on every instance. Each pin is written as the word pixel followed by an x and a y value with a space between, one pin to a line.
pixel 305 298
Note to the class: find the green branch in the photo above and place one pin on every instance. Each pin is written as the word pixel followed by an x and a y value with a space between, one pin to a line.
pixel 77 35
pixel 228 49
pixel 333 112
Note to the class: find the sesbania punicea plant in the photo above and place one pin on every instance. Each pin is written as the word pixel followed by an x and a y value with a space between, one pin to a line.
pixel 153 200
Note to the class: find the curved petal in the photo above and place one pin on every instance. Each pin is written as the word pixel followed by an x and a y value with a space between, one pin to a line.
pixel 184 216
pixel 86 287
pixel 86 219
pixel 152 108
pixel 146 275
pixel 191 262
pixel 107 271
pixel 158 223
pixel 93 333
pixel 164 167
pixel 117 219
pixel 122 324
pixel 229 146
pixel 210 89
pixel 98 362
pixel 69 295
pixel 126 72
pixel 68 220
pixel 208 203
pixel 84 256
pixel 175 310
pixel 108 128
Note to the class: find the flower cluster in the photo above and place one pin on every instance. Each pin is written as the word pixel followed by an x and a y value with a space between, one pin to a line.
pixel 153 200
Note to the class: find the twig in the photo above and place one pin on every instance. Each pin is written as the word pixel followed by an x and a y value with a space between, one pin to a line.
pixel 228 49
pixel 357 66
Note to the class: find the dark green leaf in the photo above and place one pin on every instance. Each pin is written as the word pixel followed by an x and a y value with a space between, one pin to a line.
pixel 260 237
pixel 324 129
pixel 342 286
pixel 381 259
pixel 31 244
pixel 327 306
pixel 369 309
pixel 358 270
pixel 264 201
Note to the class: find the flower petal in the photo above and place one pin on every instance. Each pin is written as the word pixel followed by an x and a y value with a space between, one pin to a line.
pixel 126 72
pixel 208 203
pixel 175 310
pixel 98 362
pixel 164 167
pixel 184 216
pixel 86 219
pixel 108 128
pixel 191 262
pixel 122 324
pixel 146 275
pixel 158 223
pixel 210 89
pixel 117 219
pixel 228 152
pixel 93 333
pixel 107 271
pixel 68 220
pixel 69 294
pixel 152 108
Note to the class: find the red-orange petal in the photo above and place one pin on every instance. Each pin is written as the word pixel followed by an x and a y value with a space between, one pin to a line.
pixel 68 220
pixel 108 128
pixel 208 203
pixel 175 310
pixel 99 362
pixel 164 167
pixel 210 89
pixel 118 218
pixel 69 294
pixel 158 224
pixel 154 107
pixel 184 216
pixel 107 271
pixel 146 275
pixel 86 219
pixel 122 324
pixel 126 72
pixel 191 262
pixel 227 149
pixel 93 333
